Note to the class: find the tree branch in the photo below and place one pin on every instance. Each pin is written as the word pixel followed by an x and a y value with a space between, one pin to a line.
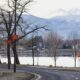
pixel 37 28
pixel 5 21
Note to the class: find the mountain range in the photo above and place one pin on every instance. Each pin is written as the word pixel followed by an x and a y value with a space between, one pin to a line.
pixel 63 25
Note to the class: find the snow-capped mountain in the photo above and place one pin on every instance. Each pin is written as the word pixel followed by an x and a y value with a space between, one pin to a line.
pixel 61 24
pixel 65 22
pixel 34 20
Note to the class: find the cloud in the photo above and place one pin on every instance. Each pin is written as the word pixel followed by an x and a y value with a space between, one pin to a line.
pixel 48 8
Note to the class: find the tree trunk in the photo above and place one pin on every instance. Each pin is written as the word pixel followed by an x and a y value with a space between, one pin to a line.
pixel 55 56
pixel 16 60
pixel 54 61
pixel 32 50
pixel 8 52
pixel 8 55
pixel 75 58
pixel 74 52
pixel 15 53
pixel 33 56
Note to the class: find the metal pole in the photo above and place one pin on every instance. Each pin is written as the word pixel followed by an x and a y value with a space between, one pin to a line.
pixel 15 41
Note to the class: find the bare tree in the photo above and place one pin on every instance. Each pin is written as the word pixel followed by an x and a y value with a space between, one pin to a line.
pixel 53 41
pixel 17 8
pixel 10 17
pixel 6 27
pixel 74 37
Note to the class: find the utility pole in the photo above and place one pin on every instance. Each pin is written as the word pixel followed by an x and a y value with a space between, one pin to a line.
pixel 14 44
pixel 8 45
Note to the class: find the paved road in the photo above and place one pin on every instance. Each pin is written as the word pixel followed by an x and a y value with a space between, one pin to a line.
pixel 51 74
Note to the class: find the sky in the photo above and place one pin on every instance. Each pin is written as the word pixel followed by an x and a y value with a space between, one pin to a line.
pixel 49 8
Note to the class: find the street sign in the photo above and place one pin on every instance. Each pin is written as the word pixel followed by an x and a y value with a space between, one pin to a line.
pixel 13 38
pixel 8 41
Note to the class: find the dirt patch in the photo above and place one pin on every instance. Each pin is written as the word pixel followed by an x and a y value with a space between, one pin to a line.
pixel 15 76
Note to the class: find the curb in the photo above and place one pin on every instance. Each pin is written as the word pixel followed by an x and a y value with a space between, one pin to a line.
pixel 63 69
pixel 36 76
pixel 66 69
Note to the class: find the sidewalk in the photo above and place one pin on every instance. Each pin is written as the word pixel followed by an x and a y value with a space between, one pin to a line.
pixel 67 68
pixel 5 70
pixel 59 68
pixel 62 68
pixel 6 74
